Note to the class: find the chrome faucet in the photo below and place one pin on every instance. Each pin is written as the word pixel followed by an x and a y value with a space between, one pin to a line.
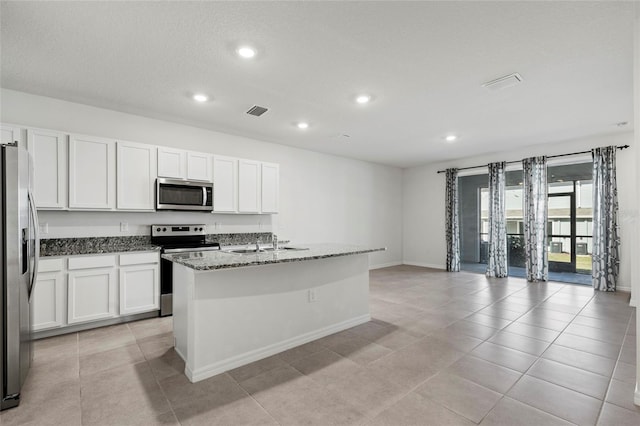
pixel 258 245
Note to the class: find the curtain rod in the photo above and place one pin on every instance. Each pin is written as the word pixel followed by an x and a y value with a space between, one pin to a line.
pixel 549 156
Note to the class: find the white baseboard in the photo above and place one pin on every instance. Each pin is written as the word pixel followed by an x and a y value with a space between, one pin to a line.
pixel 623 289
pixel 636 395
pixel 424 265
pixel 384 265
pixel 632 303
pixel 258 354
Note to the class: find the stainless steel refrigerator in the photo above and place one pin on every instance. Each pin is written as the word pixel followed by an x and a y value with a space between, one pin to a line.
pixel 19 260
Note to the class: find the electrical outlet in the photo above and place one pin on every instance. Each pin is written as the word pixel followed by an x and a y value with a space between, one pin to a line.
pixel 44 228
pixel 217 225
pixel 124 227
pixel 259 225
pixel 313 296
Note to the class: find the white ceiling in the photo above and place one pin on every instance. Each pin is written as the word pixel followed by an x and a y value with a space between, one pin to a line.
pixel 424 62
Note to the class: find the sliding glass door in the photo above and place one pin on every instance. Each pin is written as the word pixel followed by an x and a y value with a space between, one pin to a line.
pixel 561 232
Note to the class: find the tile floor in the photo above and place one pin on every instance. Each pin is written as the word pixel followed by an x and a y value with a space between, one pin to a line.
pixel 442 349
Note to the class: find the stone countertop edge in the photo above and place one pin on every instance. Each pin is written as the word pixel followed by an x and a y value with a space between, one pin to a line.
pixel 225 260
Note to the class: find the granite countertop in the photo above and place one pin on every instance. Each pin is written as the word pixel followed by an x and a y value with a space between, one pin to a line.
pixel 95 245
pixel 211 260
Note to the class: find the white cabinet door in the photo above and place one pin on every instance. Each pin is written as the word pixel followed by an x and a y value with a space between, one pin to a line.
pixel 137 172
pixel 139 289
pixel 270 187
pixel 92 295
pixel 10 134
pixel 48 301
pixel 92 173
pixel 248 186
pixel 198 166
pixel 49 153
pixel 225 184
pixel 172 163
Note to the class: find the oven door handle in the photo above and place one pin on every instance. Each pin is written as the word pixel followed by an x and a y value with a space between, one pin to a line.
pixel 204 196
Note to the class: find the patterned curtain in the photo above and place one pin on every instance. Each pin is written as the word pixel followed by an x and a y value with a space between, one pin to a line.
pixel 497 264
pixel 605 257
pixel 452 222
pixel 534 170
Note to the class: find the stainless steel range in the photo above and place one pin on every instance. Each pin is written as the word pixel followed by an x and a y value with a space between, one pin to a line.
pixel 175 239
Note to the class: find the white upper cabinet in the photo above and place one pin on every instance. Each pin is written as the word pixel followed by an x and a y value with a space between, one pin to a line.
pixel 48 150
pixel 198 166
pixel 248 186
pixel 172 163
pixel 136 176
pixel 225 184
pixel 270 187
pixel 92 173
pixel 10 134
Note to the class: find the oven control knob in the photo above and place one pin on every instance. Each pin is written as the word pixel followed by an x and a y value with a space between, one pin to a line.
pixel 201 229
pixel 164 229
pixel 158 229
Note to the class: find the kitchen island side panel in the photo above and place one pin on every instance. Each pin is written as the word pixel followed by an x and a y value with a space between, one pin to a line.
pixel 236 316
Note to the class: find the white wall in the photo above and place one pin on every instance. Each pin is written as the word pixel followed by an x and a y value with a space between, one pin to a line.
pixel 424 200
pixel 323 198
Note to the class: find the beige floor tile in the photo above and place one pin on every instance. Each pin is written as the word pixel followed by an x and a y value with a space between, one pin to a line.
pixel 151 327
pixel 612 415
pixel 100 361
pixel 301 351
pixel 46 404
pixel 585 344
pixel 52 348
pixel 293 399
pixel 506 357
pixel 472 329
pixel 155 346
pixel 610 336
pixel 484 373
pixel 489 321
pixel 460 395
pixel 625 372
pixel 461 342
pixel 104 339
pixel 500 313
pixel 509 412
pixel 413 409
pixel 520 343
pixel 56 370
pixel 621 394
pixel 580 359
pixel 541 312
pixel 542 321
pixel 255 368
pixel 167 364
pixel 122 395
pixel 559 401
pixel 220 389
pixel 532 331
pixel 570 377
pixel 397 339
pixel 355 348
pixel 417 362
pixel 206 412
pixel 360 386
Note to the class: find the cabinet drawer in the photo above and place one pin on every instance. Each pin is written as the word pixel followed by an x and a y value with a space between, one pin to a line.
pixel 139 258
pixel 91 262
pixel 50 265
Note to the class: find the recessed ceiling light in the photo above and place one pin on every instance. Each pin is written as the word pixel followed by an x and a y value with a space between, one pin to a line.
pixel 363 99
pixel 302 125
pixel 451 138
pixel 246 52
pixel 200 97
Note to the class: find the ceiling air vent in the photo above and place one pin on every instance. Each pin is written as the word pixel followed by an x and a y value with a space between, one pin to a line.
pixel 257 110
pixel 503 82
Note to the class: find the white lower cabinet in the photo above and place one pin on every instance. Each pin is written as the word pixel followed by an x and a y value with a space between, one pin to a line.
pixel 48 300
pixel 92 291
pixel 139 283
pixel 75 290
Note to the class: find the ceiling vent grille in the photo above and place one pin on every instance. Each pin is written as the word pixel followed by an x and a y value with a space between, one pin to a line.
pixel 503 82
pixel 257 110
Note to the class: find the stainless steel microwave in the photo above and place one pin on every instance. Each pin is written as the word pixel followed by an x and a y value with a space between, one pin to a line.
pixel 175 194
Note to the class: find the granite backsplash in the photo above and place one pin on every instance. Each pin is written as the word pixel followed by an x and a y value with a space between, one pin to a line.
pixel 98 245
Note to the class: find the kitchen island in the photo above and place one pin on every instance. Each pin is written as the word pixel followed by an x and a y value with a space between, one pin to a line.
pixel 231 309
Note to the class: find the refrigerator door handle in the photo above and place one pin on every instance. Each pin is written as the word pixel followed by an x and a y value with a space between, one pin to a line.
pixel 36 242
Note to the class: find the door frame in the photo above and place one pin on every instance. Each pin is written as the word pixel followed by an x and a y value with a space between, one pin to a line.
pixel 564 266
